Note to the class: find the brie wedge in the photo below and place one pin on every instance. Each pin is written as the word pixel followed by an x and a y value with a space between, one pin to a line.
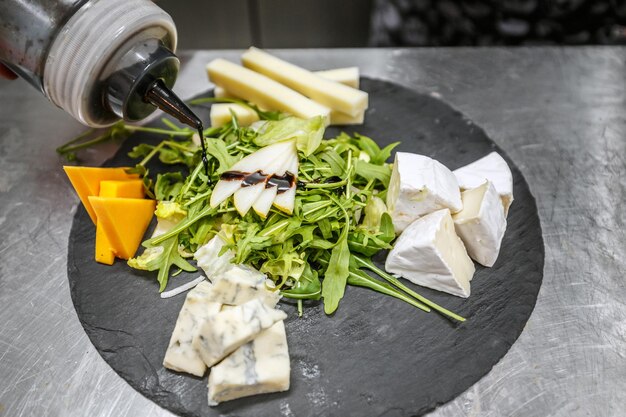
pixel 481 223
pixel 209 259
pixel 429 253
pixel 258 367
pixel 241 284
pixel 180 355
pixel 493 168
pixel 420 185
pixel 221 114
pixel 222 333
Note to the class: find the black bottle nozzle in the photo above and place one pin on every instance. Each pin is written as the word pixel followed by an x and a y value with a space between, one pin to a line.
pixel 159 95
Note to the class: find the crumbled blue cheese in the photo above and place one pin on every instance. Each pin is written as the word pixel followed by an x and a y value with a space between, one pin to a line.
pixel 180 355
pixel 222 333
pixel 258 367
pixel 209 259
pixel 240 284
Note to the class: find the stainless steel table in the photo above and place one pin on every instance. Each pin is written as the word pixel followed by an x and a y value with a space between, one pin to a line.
pixel 559 113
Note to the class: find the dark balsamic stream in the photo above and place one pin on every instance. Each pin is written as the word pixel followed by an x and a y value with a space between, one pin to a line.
pixel 158 94
pixel 282 182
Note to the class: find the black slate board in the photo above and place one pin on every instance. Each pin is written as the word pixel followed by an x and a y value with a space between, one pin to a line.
pixel 376 355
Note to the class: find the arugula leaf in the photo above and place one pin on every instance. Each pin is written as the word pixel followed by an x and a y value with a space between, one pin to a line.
pixel 168 185
pixel 370 171
pixel 336 276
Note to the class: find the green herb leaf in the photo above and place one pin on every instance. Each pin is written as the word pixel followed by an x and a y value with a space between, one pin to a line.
pixel 336 276
pixel 308 133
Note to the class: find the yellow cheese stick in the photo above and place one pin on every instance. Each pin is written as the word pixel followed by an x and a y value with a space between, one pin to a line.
pixel 220 114
pixel 328 93
pixel 263 91
pixel 338 118
pixel 348 76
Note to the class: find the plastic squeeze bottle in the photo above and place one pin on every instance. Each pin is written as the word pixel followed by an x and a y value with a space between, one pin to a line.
pixel 99 60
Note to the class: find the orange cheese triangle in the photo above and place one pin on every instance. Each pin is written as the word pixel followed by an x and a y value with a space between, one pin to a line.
pixel 124 221
pixel 114 189
pixel 86 182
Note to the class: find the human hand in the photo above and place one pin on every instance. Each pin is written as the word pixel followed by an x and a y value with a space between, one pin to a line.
pixel 7 73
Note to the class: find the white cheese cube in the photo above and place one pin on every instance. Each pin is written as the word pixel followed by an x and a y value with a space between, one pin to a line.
pixel 420 185
pixel 263 91
pixel 209 259
pixel 220 92
pixel 221 114
pixel 258 367
pixel 222 333
pixel 329 93
pixel 429 253
pixel 181 356
pixel 481 223
pixel 493 168
pixel 241 284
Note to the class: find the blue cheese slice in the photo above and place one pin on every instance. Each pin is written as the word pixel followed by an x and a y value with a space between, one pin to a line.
pixel 209 259
pixel 258 367
pixel 429 253
pixel 180 355
pixel 481 223
pixel 493 168
pixel 420 185
pixel 241 284
pixel 222 333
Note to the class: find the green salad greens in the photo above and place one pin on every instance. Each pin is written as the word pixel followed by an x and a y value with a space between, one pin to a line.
pixel 338 224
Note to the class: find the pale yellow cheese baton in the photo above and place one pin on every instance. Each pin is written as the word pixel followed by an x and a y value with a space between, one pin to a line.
pixel 263 91
pixel 220 114
pixel 328 93
pixel 338 118
pixel 348 76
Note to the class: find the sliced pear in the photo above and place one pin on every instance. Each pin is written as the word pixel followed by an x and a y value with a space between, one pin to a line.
pixel 246 196
pixel 268 160
pixel 263 204
pixel 286 201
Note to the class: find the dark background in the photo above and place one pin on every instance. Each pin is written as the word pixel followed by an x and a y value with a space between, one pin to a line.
pixel 212 24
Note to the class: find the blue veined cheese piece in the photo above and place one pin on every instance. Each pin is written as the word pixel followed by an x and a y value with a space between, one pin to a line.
pixel 222 333
pixel 419 185
pixel 258 367
pixel 241 284
pixel 209 259
pixel 181 356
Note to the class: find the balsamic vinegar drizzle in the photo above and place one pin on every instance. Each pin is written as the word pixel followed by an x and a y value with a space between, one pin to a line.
pixel 205 160
pixel 282 182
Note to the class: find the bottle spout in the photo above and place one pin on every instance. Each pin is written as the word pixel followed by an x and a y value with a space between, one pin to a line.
pixel 158 94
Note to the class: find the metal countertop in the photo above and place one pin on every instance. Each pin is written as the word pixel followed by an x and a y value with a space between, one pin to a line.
pixel 559 113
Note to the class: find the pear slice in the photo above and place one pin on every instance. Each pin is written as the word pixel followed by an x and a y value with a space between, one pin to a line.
pixel 266 160
pixel 263 204
pixel 285 201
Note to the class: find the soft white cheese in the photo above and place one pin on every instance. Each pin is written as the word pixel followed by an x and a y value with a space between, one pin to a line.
pixel 493 168
pixel 220 114
pixel 209 259
pixel 222 333
pixel 481 223
pixel 181 356
pixel 429 253
pixel 241 284
pixel 420 185
pixel 258 367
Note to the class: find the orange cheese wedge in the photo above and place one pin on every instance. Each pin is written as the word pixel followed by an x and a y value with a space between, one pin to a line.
pixel 114 189
pixel 124 222
pixel 86 182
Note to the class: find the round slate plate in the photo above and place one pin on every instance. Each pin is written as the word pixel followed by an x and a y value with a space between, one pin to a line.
pixel 376 355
